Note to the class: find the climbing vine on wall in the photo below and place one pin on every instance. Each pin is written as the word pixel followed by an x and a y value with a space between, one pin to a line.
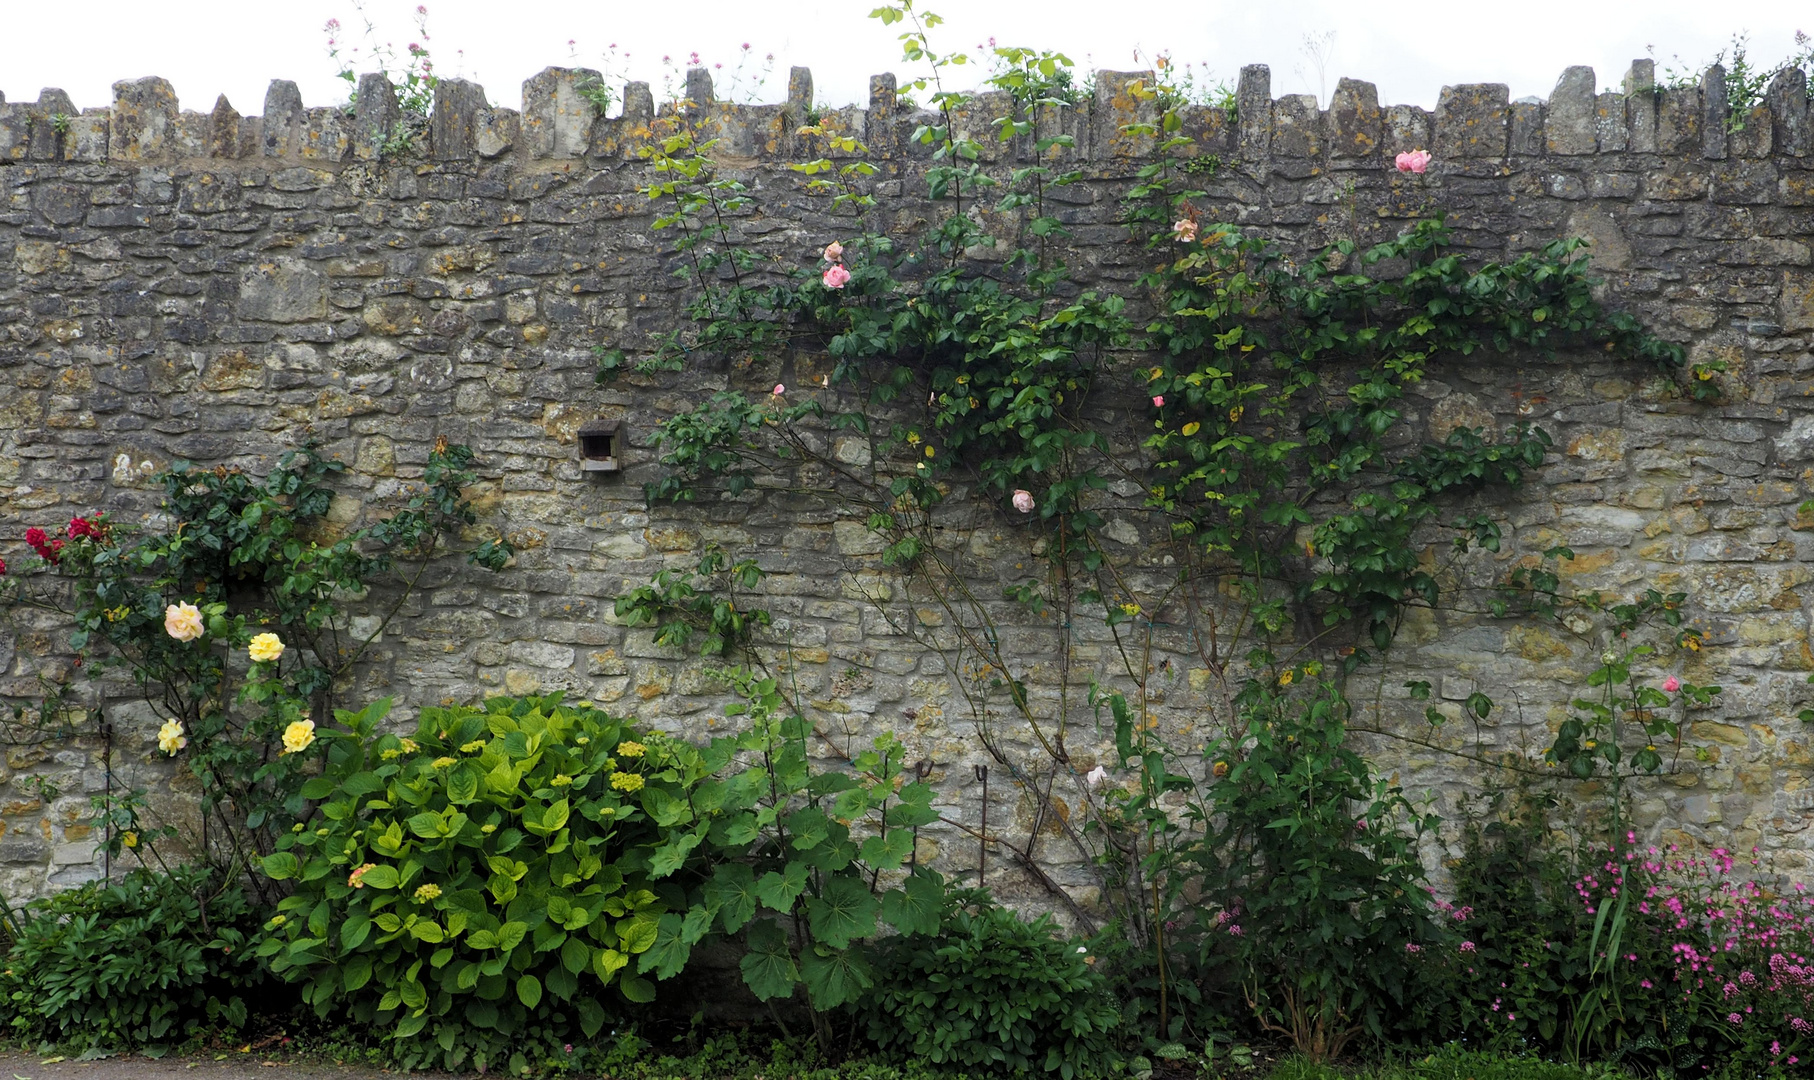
pixel 1244 407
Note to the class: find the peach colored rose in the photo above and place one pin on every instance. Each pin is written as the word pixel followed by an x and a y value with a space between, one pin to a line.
pixel 183 621
pixel 1023 500
pixel 834 251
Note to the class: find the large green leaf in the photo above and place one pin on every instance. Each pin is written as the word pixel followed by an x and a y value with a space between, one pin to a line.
pixel 669 953
pixel 381 877
pixel 768 968
pixel 665 809
pixel 671 856
pixel 834 977
pixel 889 852
pixel 529 991
pixel 844 912
pixel 780 890
pixel 732 894
pixel 281 865
pixel 914 908
pixel 463 784
pixel 354 930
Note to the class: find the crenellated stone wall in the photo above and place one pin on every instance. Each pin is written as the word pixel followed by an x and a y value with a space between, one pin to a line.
pixel 217 288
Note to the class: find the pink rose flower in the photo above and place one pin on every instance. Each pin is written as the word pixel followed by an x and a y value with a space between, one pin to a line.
pixel 1416 161
pixel 1023 500
pixel 1671 684
pixel 1184 230
pixel 1159 401
pixel 834 251
pixel 836 276
pixel 779 389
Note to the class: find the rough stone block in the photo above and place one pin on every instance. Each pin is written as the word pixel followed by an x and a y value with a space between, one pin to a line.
pixel 223 129
pixel 495 131
pixel 282 127
pixel 1611 129
pixel 1715 111
pixel 800 90
pixel 87 136
pixel 1355 121
pixel 49 119
pixel 700 94
pixel 376 115
pixel 1678 121
pixel 325 135
pixel 639 102
pixel 1796 302
pixel 1787 98
pixel 1527 129
pixel 450 129
pixel 1115 107
pixel 284 290
pixel 142 121
pixel 557 119
pixel 1473 120
pixel 15 132
pixel 1253 111
pixel 1570 120
pixel 1407 128
pixel 1296 125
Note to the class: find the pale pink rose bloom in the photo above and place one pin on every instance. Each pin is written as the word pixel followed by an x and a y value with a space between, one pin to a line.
pixel 1159 402
pixel 1672 684
pixel 1023 500
pixel 779 389
pixel 183 621
pixel 834 251
pixel 1095 777
pixel 1184 230
pixel 1415 161
pixel 836 276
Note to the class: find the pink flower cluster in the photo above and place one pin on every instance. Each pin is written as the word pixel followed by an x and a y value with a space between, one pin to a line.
pixel 836 275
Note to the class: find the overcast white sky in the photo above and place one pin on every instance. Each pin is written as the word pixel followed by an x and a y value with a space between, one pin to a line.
pixel 1409 48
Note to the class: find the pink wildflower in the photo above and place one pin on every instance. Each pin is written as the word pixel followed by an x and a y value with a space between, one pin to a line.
pixel 779 389
pixel 1184 230
pixel 1159 401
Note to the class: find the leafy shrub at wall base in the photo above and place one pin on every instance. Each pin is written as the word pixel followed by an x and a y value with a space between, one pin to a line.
pixel 476 889
pixel 992 993
pixel 140 962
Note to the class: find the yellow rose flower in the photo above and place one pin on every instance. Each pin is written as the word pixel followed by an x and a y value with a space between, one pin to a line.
pixel 129 839
pixel 631 749
pixel 299 736
pixel 183 621
pixel 265 648
pixel 170 737
pixel 1285 679
pixel 626 781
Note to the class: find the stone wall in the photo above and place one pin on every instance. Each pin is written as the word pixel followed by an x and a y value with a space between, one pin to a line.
pixel 217 287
